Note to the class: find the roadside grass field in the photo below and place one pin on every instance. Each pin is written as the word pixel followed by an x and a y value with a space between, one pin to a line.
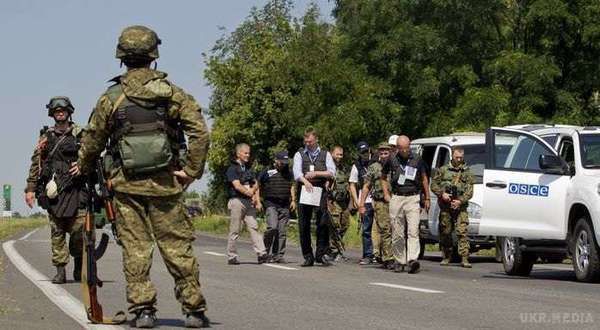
pixel 219 225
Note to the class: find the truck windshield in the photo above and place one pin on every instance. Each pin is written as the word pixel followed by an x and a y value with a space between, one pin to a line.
pixel 590 150
pixel 475 158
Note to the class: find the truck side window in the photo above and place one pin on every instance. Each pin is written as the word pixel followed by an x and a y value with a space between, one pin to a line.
pixel 523 152
pixel 566 151
pixel 443 157
pixel 427 156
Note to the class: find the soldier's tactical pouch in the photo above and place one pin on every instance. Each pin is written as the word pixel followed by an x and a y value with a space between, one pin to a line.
pixel 143 141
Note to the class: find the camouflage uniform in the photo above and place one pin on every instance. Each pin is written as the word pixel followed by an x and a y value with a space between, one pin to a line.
pixel 150 207
pixel 339 211
pixel 382 214
pixel 59 227
pixel 444 178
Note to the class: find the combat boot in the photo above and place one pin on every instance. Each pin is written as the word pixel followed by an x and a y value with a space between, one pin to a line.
pixel 145 319
pixel 197 320
pixel 61 275
pixel 465 262
pixel 77 269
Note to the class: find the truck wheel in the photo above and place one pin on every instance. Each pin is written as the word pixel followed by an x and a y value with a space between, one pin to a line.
pixel 585 252
pixel 515 261
pixel 422 249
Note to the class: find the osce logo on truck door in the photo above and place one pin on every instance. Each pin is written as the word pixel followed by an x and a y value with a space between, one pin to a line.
pixel 528 189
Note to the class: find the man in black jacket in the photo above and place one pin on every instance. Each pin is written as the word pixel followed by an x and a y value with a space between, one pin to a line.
pixel 276 188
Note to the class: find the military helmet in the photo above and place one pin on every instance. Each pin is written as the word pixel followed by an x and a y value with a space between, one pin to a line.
pixel 59 102
pixel 138 41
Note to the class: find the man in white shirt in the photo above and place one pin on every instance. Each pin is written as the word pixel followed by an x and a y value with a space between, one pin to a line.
pixel 313 167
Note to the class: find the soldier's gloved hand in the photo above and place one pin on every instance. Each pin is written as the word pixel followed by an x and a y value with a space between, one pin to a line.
pixel 29 198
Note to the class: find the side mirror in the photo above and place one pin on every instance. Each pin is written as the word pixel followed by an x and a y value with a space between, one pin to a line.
pixel 552 164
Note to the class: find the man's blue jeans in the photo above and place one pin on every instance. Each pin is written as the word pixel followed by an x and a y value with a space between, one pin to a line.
pixel 367 225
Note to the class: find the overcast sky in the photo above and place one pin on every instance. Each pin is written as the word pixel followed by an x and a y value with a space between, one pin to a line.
pixel 68 48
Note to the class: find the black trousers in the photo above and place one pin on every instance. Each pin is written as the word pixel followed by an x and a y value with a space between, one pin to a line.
pixel 305 214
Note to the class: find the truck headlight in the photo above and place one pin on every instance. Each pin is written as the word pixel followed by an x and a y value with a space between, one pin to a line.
pixel 474 210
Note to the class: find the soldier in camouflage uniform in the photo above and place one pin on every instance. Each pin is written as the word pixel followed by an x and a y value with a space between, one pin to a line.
pixel 453 184
pixel 382 216
pixel 142 117
pixel 338 204
pixel 56 149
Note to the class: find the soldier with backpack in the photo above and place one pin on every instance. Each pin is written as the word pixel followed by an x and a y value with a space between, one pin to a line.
pixel 140 120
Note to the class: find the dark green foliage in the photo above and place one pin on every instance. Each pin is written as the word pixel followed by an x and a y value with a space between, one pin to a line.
pixel 418 67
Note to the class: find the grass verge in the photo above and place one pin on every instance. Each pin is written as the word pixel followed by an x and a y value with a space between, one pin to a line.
pixel 219 225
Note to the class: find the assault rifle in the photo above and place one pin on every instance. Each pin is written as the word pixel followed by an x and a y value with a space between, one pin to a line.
pixel 89 272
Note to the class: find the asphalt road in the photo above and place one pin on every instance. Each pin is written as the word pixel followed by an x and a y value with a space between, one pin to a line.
pixel 343 296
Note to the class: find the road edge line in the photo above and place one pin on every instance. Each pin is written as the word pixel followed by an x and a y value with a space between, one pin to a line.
pixel 71 306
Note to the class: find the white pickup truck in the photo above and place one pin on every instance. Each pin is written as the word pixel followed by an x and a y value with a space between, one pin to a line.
pixel 541 196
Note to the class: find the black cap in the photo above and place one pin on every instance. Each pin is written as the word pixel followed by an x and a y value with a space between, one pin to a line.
pixel 282 156
pixel 362 146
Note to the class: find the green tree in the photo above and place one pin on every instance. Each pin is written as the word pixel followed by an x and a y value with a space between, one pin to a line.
pixel 276 75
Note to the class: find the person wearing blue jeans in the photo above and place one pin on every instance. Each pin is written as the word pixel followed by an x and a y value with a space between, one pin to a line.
pixel 357 178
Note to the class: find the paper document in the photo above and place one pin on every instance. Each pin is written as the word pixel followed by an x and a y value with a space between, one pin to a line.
pixel 311 198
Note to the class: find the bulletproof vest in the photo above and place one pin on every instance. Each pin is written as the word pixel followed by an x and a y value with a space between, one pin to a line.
pixel 362 170
pixel 377 190
pixel 143 140
pixel 57 156
pixel 277 187
pixel 398 168
pixel 319 163
pixel 339 191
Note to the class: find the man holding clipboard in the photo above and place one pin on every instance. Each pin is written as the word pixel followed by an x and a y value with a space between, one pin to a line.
pixel 312 168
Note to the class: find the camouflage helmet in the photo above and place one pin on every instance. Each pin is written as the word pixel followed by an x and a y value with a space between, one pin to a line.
pixel 138 41
pixel 59 102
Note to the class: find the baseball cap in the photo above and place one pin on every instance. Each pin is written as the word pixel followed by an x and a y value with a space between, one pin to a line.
pixel 393 139
pixel 282 156
pixel 362 146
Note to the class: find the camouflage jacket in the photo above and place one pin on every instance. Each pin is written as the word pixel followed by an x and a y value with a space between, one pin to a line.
pixel 374 173
pixel 448 176
pixel 339 185
pixel 147 86
pixel 39 153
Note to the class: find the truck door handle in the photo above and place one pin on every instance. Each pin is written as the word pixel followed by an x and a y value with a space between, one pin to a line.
pixel 496 185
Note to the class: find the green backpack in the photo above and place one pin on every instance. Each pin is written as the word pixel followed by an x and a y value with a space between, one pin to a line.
pixel 142 142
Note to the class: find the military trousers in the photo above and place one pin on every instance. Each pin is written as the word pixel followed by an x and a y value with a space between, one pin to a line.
pixel 383 227
pixel 405 216
pixel 450 221
pixel 145 221
pixel 242 211
pixel 278 218
pixel 340 221
pixel 59 229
